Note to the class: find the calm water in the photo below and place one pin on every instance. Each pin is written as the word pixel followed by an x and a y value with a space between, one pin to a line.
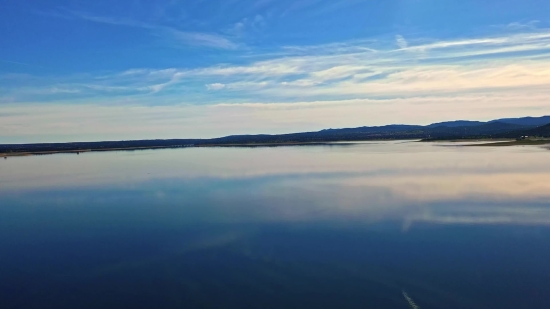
pixel 344 226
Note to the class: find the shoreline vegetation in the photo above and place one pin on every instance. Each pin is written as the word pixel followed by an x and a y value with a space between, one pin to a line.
pixel 535 142
pixel 486 143
pixel 501 132
pixel 239 145
pixel 32 153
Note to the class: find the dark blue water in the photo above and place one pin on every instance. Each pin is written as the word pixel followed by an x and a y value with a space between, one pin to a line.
pixel 292 227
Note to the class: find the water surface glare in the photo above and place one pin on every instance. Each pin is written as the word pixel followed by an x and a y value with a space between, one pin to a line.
pixel 362 225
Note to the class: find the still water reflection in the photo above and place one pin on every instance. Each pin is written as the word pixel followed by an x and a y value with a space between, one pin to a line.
pixel 342 226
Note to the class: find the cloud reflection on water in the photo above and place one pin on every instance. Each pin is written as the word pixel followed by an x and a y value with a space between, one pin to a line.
pixel 368 182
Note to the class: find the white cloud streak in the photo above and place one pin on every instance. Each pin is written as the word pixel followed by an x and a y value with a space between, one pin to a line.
pixel 185 37
pixel 461 65
pixel 216 86
pixel 401 42
pixel 304 88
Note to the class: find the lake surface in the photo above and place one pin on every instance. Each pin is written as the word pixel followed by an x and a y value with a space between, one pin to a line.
pixel 341 226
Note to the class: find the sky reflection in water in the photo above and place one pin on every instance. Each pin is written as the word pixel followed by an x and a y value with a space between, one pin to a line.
pixel 286 227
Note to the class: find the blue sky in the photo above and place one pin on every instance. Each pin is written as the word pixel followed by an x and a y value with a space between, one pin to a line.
pixel 126 69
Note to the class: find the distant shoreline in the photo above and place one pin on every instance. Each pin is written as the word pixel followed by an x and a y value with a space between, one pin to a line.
pixel 489 143
pixel 499 132
pixel 513 143
pixel 39 153
pixel 239 145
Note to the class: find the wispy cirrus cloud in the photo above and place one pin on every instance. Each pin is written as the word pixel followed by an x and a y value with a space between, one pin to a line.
pixel 353 69
pixel 363 68
pixel 254 24
pixel 16 62
pixel 401 42
pixel 312 87
pixel 531 25
pixel 215 86
pixel 181 36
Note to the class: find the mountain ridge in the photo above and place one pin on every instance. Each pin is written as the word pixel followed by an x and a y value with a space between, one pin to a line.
pixel 460 129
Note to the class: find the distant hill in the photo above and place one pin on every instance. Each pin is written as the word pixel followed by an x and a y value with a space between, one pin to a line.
pixel 523 121
pixel 388 128
pixel 484 130
pixel 542 131
pixel 526 121
pixel 460 129
pixel 457 123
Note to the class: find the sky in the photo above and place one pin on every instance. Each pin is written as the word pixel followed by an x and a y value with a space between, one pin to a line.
pixel 136 69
